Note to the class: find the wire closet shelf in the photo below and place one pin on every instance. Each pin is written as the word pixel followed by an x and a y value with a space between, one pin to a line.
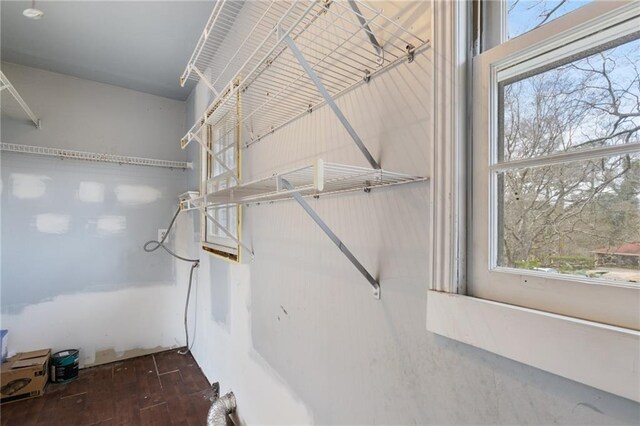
pixel 313 180
pixel 92 156
pixel 243 57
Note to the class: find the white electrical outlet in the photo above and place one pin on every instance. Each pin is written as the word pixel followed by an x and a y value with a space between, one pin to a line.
pixel 161 233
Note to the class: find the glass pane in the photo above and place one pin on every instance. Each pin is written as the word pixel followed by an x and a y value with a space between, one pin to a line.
pixel 230 158
pixel 221 216
pixel 526 15
pixel 233 219
pixel 588 103
pixel 211 227
pixel 580 218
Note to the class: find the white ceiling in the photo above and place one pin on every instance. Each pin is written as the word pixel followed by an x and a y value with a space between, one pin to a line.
pixel 140 45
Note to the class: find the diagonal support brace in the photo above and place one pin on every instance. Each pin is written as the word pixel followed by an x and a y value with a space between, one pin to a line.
pixel 225 230
pixel 329 100
pixel 216 158
pixel 6 84
pixel 307 208
pixel 367 29
pixel 206 81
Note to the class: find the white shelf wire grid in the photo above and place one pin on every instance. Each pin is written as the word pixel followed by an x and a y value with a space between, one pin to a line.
pixel 314 180
pixel 92 156
pixel 249 62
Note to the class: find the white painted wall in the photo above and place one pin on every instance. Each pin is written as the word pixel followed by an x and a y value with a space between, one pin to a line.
pixel 88 116
pixel 73 271
pixel 296 333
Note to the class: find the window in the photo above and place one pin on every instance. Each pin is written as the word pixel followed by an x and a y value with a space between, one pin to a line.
pixel 526 15
pixel 545 272
pixel 556 165
pixel 221 170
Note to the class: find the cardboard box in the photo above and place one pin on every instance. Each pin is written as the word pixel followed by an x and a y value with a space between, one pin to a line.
pixel 24 375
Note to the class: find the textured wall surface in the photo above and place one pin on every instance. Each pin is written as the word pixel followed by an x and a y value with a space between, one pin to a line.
pixel 295 332
pixel 73 270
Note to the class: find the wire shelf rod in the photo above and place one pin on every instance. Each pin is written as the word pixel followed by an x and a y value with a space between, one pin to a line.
pixel 301 75
pixel 92 156
pixel 262 38
pixel 317 102
pixel 219 5
pixel 262 19
pixel 312 180
pixel 254 70
pixel 308 85
pixel 377 27
pixel 322 102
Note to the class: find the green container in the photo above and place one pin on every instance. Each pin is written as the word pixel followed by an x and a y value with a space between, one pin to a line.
pixel 64 366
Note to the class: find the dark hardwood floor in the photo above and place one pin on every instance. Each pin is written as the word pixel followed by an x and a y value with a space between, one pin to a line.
pixel 161 389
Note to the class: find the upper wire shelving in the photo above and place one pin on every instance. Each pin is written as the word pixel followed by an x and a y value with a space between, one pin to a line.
pixel 343 43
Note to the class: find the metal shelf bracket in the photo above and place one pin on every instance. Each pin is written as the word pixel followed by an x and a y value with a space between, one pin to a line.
pixel 205 80
pixel 333 237
pixel 328 98
pixel 225 230
pixel 215 156
pixel 6 84
pixel 367 29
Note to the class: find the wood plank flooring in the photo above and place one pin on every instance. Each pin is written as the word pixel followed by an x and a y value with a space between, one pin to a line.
pixel 161 389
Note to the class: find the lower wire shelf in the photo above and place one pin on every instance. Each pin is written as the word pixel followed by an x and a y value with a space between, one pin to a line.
pixel 313 180
pixel 310 181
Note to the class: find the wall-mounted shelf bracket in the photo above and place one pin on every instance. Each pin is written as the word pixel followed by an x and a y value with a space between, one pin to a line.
pixel 205 80
pixel 411 52
pixel 328 98
pixel 367 29
pixel 215 156
pixel 332 236
pixel 6 84
pixel 225 230
pixel 224 96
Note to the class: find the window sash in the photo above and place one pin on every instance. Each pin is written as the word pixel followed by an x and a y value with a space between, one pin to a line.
pixel 605 302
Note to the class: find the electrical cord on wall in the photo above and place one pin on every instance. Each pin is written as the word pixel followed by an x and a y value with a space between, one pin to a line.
pixel 153 245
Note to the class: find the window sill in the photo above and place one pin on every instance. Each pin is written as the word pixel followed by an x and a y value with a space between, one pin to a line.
pixel 598 355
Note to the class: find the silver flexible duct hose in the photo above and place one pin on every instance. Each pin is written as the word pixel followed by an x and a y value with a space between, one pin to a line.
pixel 153 245
pixel 220 408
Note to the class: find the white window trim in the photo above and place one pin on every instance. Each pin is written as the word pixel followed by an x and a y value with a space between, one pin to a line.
pixel 598 355
pixel 448 160
pixel 222 247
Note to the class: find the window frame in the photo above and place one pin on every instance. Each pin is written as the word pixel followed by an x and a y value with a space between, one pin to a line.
pixel 601 355
pixel 221 246
pixel 573 296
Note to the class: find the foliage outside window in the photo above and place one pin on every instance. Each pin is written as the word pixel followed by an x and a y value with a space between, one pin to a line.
pixel 555 203
pixel 578 217
pixel 526 15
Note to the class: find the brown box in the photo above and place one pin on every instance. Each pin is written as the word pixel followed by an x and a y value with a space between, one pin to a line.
pixel 24 375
